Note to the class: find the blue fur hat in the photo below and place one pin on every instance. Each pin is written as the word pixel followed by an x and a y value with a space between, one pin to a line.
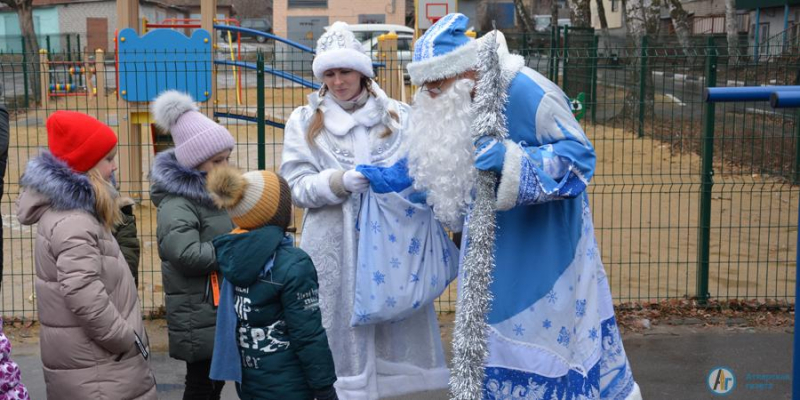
pixel 443 51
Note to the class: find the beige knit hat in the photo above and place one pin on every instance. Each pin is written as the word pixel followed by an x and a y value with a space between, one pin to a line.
pixel 253 199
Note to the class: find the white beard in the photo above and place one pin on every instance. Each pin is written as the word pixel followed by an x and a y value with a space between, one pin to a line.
pixel 440 151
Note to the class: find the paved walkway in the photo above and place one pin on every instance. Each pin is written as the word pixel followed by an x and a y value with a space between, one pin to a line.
pixel 669 363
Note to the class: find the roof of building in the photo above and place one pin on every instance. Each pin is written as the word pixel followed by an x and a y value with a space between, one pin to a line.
pixel 179 4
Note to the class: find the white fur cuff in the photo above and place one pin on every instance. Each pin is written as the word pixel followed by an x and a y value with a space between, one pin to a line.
pixel 444 66
pixel 508 190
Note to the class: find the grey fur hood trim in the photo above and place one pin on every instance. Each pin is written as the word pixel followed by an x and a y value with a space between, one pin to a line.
pixel 169 177
pixel 55 180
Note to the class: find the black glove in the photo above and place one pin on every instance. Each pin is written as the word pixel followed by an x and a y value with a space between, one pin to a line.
pixel 327 393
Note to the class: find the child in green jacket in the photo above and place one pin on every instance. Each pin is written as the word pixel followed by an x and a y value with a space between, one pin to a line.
pixel 269 336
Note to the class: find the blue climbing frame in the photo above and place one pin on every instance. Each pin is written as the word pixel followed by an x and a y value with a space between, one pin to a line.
pixel 269 70
pixel 778 97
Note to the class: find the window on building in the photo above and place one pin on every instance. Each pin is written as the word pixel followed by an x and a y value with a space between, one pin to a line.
pixel 308 3
pixel 372 18
pixel 614 5
pixel 763 39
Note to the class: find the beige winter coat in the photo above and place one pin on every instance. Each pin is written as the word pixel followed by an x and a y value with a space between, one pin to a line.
pixel 86 298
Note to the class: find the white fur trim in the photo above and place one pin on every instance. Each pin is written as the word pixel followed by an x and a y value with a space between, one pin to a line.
pixel 444 66
pixel 337 121
pixel 508 190
pixel 169 106
pixel 342 58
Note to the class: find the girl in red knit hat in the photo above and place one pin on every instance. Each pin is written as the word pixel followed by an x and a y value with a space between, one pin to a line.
pixel 92 339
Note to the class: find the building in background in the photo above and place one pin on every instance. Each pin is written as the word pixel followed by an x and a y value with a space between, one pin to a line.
pixel 774 25
pixel 88 24
pixel 304 21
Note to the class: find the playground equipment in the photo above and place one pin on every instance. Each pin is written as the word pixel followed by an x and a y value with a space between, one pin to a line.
pixel 61 76
pixel 58 78
pixel 194 23
pixel 148 66
pixel 778 97
pixel 163 58
pixel 430 11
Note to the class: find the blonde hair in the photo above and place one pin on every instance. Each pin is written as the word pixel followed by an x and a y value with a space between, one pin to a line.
pixel 106 202
pixel 317 121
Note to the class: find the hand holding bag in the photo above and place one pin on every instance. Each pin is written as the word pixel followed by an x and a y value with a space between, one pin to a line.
pixel 405 258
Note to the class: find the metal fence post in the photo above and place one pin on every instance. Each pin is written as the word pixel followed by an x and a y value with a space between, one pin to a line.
pixel 796 171
pixel 565 74
pixel 796 341
pixel 260 113
pixel 79 58
pixel 593 93
pixel 552 63
pixel 25 72
pixel 525 51
pixel 707 179
pixel 69 57
pixel 642 85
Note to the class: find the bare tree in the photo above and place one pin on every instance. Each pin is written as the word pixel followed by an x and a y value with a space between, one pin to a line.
pixel 24 10
pixel 580 13
pixel 641 18
pixel 483 15
pixel 680 21
pixel 601 14
pixel 553 13
pixel 528 25
pixel 731 29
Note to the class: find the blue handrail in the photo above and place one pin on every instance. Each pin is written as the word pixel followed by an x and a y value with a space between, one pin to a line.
pixel 785 99
pixel 796 356
pixel 247 118
pixel 282 74
pixel 779 97
pixel 278 38
pixel 747 93
pixel 266 35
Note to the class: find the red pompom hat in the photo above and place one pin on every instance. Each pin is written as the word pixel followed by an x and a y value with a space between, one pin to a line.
pixel 78 139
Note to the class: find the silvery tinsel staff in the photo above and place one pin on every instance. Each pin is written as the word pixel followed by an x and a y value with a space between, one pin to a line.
pixel 469 337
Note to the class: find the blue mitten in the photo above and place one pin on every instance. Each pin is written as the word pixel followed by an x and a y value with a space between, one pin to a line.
pixel 490 154
pixel 387 179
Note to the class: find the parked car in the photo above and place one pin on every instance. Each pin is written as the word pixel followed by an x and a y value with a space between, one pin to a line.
pixel 364 32
pixel 542 22
pixel 256 24
pixel 405 42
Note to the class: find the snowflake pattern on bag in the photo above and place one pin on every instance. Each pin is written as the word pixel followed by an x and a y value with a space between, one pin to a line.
pixel 409 258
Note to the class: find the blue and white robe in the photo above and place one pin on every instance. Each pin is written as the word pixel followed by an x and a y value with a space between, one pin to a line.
pixel 552 333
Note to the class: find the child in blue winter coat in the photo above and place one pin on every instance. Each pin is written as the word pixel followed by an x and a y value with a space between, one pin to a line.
pixel 269 336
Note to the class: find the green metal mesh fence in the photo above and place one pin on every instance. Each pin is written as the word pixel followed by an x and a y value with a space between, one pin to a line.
pixel 684 205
